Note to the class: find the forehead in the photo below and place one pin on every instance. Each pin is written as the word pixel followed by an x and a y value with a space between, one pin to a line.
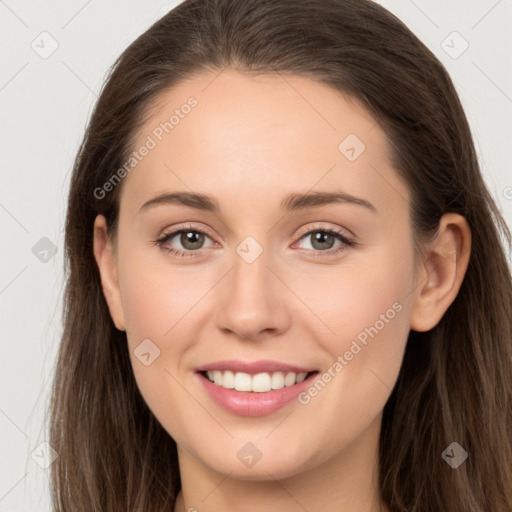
pixel 235 135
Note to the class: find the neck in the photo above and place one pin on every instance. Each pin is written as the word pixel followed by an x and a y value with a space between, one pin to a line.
pixel 348 481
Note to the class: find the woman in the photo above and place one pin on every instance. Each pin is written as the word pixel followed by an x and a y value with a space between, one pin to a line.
pixel 287 289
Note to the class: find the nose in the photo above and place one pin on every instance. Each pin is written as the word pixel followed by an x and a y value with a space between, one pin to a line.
pixel 253 304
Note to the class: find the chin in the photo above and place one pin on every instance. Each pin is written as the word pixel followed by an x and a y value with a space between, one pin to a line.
pixel 251 463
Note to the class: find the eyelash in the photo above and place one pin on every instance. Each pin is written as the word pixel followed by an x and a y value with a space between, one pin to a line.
pixel 347 241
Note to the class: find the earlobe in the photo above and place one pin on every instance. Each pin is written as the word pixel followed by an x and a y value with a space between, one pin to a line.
pixel 105 259
pixel 441 272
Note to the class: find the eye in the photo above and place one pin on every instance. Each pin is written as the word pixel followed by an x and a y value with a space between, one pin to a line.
pixel 191 239
pixel 322 240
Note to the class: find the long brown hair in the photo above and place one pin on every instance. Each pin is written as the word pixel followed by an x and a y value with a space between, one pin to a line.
pixel 455 384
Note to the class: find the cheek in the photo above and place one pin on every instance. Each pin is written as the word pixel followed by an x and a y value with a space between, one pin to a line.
pixel 369 312
pixel 161 303
pixel 362 299
pixel 366 308
pixel 158 297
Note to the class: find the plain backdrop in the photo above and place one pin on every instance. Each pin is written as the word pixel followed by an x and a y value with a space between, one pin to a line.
pixel 46 100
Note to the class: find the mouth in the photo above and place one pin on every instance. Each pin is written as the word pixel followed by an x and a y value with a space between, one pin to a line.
pixel 254 388
pixel 258 383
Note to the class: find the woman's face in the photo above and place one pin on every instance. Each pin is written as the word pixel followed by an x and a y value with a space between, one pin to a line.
pixel 272 290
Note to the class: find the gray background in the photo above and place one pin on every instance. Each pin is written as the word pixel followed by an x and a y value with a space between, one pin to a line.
pixel 45 102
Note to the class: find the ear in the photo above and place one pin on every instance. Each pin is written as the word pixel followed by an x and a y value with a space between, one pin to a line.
pixel 440 272
pixel 107 265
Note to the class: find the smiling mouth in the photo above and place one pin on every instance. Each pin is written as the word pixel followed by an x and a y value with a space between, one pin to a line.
pixel 257 383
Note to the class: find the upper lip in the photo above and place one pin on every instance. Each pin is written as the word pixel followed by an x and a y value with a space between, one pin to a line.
pixel 253 367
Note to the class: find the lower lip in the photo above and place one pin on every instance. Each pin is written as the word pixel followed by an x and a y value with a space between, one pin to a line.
pixel 250 403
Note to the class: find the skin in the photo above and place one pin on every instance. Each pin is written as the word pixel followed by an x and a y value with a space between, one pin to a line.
pixel 250 142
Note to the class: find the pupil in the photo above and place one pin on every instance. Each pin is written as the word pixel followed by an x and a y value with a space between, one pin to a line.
pixel 192 239
pixel 321 237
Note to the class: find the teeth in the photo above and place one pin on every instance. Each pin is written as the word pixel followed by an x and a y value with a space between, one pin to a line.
pixel 289 380
pixel 259 383
pixel 228 380
pixel 217 378
pixel 242 382
pixel 277 380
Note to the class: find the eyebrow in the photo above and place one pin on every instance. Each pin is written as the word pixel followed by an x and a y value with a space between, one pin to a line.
pixel 292 202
